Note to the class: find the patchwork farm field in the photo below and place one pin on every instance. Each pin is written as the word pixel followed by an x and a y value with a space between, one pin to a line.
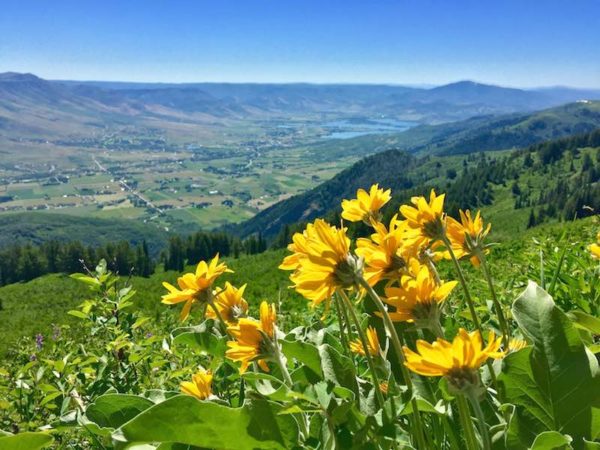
pixel 175 181
pixel 170 189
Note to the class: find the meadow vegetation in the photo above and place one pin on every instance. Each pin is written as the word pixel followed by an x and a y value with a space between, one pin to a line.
pixel 409 331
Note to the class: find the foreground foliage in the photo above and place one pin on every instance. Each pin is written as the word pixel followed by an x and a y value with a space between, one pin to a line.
pixel 400 356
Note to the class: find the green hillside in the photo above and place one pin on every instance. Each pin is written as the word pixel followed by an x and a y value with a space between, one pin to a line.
pixel 33 307
pixel 556 177
pixel 36 228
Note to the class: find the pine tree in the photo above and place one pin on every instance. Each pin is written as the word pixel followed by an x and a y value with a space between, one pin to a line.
pixel 532 221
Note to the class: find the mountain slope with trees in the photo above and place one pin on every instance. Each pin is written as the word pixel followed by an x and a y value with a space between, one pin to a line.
pixel 480 133
pixel 470 181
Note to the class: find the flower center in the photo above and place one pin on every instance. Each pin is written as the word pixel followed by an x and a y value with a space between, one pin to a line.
pixel 397 263
pixel 348 271
pixel 462 378
pixel 236 312
pixel 434 228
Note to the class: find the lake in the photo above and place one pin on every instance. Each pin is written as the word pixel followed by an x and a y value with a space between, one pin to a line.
pixel 351 128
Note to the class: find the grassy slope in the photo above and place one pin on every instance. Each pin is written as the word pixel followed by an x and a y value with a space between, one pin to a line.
pixel 31 308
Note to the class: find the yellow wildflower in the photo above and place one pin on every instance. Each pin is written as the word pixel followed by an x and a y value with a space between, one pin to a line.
pixel 179 295
pixel 230 303
pixel 192 286
pixel 372 344
pixel 467 236
pixel 268 316
pixel 366 206
pixel 253 339
pixel 323 264
pixel 459 361
pixel 595 248
pixel 425 220
pixel 200 386
pixel 386 253
pixel 418 298
pixel 298 247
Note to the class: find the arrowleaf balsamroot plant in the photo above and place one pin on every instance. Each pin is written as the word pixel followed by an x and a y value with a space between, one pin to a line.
pixel 422 349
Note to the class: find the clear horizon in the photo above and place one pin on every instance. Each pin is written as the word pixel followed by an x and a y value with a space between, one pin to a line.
pixel 514 44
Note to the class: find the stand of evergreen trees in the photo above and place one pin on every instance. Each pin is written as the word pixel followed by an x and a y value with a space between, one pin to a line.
pixel 26 262
pixel 202 246
pixel 568 193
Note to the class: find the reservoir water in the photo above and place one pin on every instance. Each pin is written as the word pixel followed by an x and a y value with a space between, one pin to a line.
pixel 350 128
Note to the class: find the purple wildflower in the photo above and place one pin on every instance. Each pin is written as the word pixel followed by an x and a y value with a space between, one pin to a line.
pixel 39 341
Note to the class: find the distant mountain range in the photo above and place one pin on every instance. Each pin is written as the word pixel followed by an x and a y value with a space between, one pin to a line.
pixel 30 105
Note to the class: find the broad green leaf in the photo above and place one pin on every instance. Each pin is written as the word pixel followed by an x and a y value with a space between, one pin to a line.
pixel 338 368
pixel 25 441
pixel 551 440
pixel 267 385
pixel 304 353
pixel 594 348
pixel 113 410
pixel 86 279
pixel 78 314
pixel 201 338
pixel 48 398
pixel 186 420
pixel 585 321
pixel 139 322
pixel 554 384
pixel 588 445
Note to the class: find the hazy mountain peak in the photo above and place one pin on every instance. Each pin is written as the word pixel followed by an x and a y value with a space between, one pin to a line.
pixel 468 85
pixel 18 77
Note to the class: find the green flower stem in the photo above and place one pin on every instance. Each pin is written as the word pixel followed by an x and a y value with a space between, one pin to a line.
pixel 211 303
pixel 463 283
pixel 436 329
pixel 497 306
pixel 465 288
pixel 483 432
pixel 433 270
pixel 450 432
pixel 347 322
pixel 343 323
pixel 396 343
pixel 467 422
pixel 363 340
pixel 278 358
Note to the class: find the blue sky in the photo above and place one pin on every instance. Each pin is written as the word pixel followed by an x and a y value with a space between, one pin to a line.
pixel 518 43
